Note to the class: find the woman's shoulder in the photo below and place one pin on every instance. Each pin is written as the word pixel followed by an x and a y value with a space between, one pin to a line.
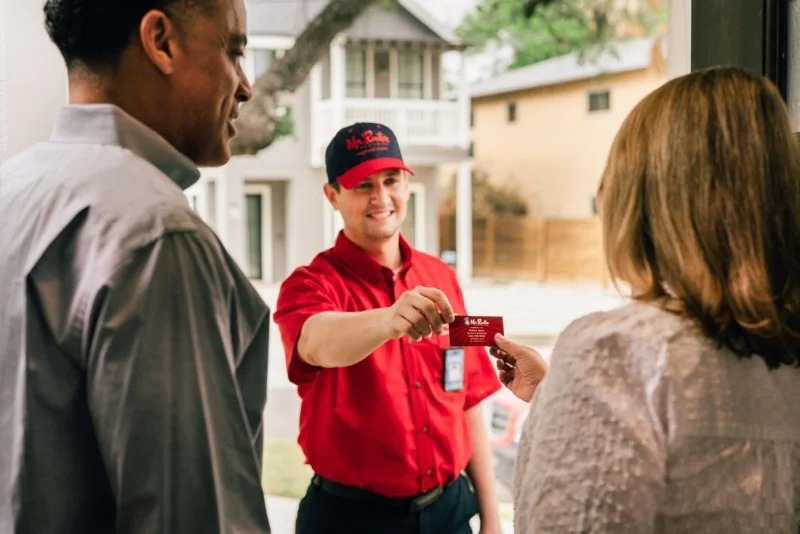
pixel 631 338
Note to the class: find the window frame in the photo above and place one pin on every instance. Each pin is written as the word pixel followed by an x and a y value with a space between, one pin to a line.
pixel 599 93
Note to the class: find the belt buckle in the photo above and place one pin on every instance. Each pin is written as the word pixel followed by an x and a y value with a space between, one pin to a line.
pixel 426 499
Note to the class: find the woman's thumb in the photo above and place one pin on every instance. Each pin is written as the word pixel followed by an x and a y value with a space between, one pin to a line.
pixel 503 343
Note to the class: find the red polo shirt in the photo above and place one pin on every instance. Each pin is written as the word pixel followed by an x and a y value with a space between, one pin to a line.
pixel 386 423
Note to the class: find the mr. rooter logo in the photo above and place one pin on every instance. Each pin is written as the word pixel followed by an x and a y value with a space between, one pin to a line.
pixel 475 322
pixel 367 139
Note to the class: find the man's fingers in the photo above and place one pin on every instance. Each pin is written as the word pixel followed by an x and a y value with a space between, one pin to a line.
pixel 420 322
pixel 428 309
pixel 441 301
pixel 411 328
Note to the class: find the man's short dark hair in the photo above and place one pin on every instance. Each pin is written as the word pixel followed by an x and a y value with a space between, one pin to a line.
pixel 96 32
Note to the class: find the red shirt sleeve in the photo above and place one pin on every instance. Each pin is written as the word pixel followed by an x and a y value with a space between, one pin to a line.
pixel 480 376
pixel 301 296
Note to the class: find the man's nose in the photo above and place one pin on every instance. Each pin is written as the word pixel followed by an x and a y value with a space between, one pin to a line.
pixel 245 91
pixel 380 194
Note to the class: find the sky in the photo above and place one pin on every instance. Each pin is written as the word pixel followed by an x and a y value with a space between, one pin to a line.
pixel 477 66
pixel 450 11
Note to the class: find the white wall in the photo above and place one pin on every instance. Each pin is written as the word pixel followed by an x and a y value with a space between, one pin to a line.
pixel 33 79
pixel 679 38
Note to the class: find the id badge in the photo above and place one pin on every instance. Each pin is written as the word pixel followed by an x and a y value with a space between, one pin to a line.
pixel 454 369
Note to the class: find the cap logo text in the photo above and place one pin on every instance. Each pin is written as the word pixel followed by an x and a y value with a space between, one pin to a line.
pixel 368 141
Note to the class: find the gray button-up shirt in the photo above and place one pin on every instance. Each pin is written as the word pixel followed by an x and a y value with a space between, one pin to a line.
pixel 133 351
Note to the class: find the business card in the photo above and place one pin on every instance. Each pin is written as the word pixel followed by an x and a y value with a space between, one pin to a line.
pixel 475 330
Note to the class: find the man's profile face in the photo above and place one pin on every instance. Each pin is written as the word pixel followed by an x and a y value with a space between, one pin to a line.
pixel 209 82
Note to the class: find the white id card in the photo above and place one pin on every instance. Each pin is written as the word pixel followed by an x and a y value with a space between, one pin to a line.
pixel 454 369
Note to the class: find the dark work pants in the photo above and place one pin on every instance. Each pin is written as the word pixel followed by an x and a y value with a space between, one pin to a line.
pixel 321 512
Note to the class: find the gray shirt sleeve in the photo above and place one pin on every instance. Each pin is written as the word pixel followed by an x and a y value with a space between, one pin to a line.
pixel 172 426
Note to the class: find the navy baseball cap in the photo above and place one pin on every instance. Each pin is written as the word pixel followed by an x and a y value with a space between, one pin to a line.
pixel 359 151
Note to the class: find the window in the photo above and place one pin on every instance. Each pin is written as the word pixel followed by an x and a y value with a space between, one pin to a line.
pixel 512 112
pixel 356 75
pixel 599 100
pixel 254 265
pixel 410 75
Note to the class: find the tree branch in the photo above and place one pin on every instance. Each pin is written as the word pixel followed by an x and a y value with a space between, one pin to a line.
pixel 257 123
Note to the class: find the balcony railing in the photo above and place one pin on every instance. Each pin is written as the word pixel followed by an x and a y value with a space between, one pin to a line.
pixel 421 123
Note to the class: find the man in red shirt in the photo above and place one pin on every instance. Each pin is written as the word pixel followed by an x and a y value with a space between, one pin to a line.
pixel 397 441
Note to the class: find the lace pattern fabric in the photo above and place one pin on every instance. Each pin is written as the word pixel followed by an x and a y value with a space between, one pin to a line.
pixel 644 426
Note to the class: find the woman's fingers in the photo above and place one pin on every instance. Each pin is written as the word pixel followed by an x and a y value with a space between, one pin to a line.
pixel 504 378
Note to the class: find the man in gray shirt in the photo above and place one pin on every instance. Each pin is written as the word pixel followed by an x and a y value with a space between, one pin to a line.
pixel 133 351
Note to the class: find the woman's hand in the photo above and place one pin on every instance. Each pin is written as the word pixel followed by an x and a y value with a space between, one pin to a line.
pixel 521 368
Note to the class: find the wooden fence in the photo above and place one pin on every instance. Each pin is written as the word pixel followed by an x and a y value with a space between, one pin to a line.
pixel 544 250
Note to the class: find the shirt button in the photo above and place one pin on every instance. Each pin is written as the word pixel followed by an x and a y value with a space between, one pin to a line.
pixel 430 471
pixel 417 385
pixel 425 428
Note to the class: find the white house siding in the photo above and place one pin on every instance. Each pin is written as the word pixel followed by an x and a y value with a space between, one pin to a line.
pixel 33 81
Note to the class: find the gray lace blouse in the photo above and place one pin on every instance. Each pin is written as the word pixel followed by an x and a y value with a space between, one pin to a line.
pixel 642 425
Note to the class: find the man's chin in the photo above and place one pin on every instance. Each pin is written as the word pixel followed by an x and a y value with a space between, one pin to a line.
pixel 216 158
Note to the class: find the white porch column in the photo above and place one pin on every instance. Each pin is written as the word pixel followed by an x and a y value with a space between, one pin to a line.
pixel 427 73
pixel 465 105
pixel 679 38
pixel 464 222
pixel 369 54
pixel 315 98
pixel 338 80
pixel 33 78
pixel 394 73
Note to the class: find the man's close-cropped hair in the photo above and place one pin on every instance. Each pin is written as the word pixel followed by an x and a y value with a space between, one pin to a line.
pixel 700 203
pixel 94 33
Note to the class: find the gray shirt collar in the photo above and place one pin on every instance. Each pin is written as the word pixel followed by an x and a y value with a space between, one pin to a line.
pixel 106 124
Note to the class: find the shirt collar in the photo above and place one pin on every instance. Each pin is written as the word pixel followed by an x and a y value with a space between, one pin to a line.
pixel 365 265
pixel 106 124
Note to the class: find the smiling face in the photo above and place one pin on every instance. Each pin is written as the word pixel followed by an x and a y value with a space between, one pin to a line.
pixel 373 212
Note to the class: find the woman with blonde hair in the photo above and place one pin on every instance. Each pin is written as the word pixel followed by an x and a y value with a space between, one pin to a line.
pixel 679 412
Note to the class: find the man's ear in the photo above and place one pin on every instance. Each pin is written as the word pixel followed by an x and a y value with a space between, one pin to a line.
pixel 157 33
pixel 332 195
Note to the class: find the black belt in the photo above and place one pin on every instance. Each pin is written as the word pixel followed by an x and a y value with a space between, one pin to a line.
pixel 412 504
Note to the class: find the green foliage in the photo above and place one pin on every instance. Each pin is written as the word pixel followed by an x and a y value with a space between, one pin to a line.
pixel 284 121
pixel 557 28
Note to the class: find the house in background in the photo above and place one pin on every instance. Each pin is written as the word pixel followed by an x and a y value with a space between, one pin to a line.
pixel 269 209
pixel 546 129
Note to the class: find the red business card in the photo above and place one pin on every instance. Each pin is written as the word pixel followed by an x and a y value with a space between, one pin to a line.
pixel 475 330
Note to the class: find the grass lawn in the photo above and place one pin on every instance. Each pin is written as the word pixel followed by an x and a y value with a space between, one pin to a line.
pixel 284 472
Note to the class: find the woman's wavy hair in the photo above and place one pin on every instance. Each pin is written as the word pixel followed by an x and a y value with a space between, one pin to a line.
pixel 700 204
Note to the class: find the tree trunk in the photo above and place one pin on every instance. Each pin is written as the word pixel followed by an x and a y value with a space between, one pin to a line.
pixel 257 122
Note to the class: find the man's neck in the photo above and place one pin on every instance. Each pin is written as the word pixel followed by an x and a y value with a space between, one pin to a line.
pixel 386 252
